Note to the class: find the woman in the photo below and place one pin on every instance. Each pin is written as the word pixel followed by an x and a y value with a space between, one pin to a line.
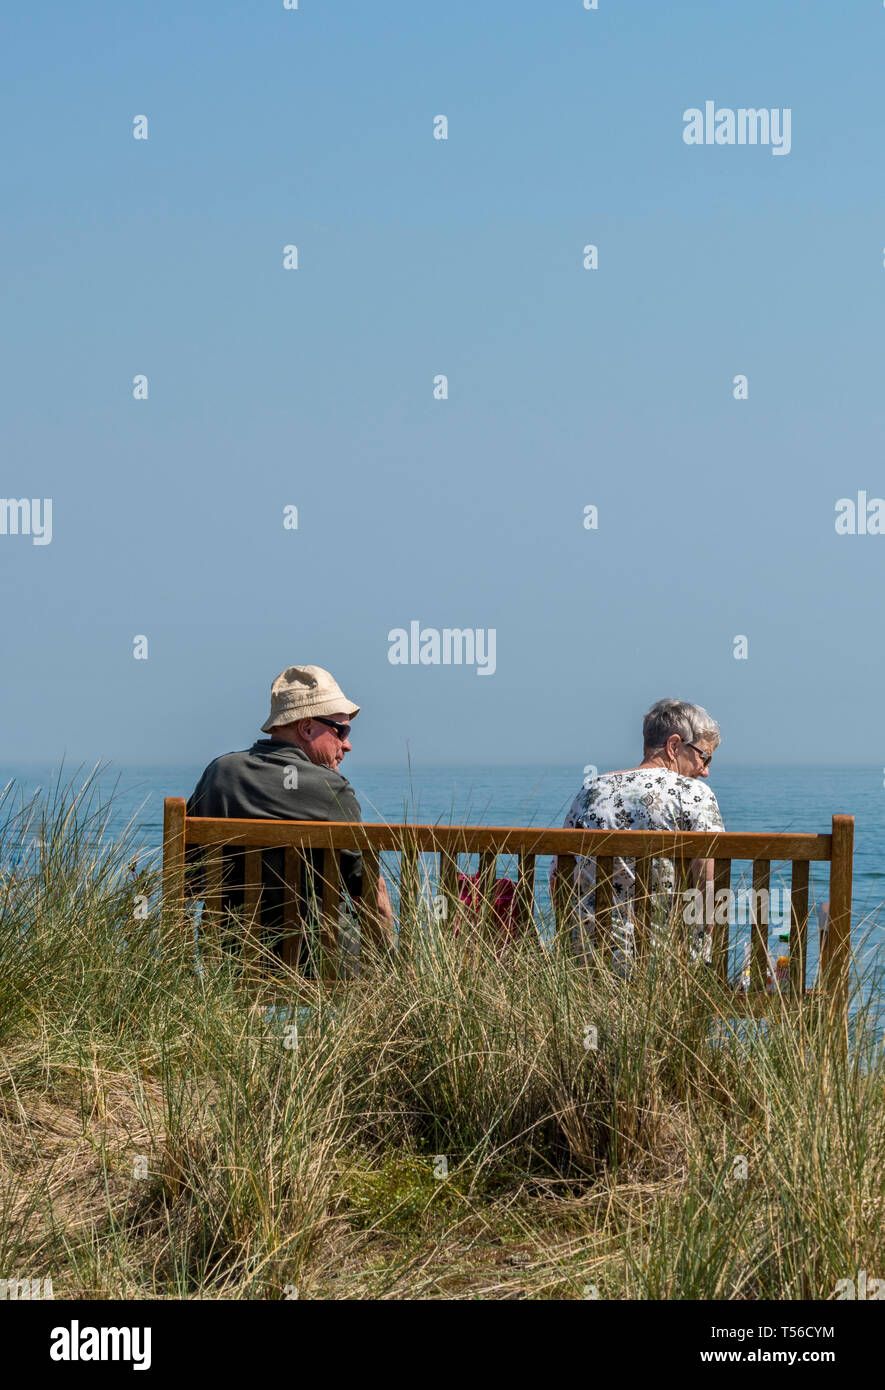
pixel 665 792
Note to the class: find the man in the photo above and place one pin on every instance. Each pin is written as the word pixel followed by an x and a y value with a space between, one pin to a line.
pixel 293 775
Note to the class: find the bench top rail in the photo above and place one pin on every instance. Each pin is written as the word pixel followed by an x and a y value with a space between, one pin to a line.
pixel 450 839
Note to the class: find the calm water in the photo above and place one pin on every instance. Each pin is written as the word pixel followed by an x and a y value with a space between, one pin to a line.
pixel 776 799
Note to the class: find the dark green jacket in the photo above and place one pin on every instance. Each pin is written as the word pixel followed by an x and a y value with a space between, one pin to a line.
pixel 277 781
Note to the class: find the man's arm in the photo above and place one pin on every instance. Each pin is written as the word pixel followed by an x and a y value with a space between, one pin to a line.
pixel 701 873
pixel 385 912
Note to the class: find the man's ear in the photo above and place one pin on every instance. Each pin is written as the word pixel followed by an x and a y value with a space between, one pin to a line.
pixel 306 730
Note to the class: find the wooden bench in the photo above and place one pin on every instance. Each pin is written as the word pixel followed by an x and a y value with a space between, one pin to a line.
pixel 182 833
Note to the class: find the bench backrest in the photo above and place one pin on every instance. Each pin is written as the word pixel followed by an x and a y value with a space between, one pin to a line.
pixel 182 833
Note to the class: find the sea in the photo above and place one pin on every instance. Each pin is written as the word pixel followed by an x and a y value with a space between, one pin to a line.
pixel 750 798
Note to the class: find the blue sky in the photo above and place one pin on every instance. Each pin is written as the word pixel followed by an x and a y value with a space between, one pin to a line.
pixel 417 257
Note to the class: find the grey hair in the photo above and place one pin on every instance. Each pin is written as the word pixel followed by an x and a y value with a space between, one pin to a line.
pixel 690 722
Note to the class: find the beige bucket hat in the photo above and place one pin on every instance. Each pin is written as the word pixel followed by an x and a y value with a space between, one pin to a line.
pixel 305 692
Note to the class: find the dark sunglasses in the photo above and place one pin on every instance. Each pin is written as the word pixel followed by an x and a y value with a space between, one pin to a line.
pixel 705 758
pixel 342 730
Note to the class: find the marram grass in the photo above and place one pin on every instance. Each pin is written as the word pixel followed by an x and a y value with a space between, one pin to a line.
pixel 461 1122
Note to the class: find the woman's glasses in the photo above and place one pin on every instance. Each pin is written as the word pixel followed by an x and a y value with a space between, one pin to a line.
pixel 706 758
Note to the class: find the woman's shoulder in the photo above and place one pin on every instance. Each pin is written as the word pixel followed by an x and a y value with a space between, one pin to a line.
pixel 691 791
pixel 648 776
pixel 604 791
pixel 699 800
pixel 645 796
pixel 593 800
pixel 606 784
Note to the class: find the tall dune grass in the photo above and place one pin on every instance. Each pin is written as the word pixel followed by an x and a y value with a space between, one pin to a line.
pixel 459 1121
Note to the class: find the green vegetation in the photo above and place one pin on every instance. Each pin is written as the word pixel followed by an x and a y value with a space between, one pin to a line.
pixel 162 1134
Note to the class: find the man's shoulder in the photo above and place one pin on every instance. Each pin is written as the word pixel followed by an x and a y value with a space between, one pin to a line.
pixel 336 784
pixel 226 762
pixel 257 753
pixel 223 759
pixel 274 781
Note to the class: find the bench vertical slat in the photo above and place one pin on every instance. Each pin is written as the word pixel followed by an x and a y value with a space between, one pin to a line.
pixel 330 905
pixel 448 886
pixel 642 904
pixel 603 912
pixel 211 919
pixel 174 845
pixel 525 894
pixel 252 910
pixel 758 929
pixel 683 885
pixel 293 927
pixel 309 868
pixel 369 919
pixel 485 890
pixel 719 929
pixel 408 895
pixel 835 953
pixel 798 926
pixel 563 899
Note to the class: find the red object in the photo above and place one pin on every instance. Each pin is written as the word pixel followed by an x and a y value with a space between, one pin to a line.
pixel 504 913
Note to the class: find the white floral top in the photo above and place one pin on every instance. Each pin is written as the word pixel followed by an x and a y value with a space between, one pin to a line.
pixel 650 798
